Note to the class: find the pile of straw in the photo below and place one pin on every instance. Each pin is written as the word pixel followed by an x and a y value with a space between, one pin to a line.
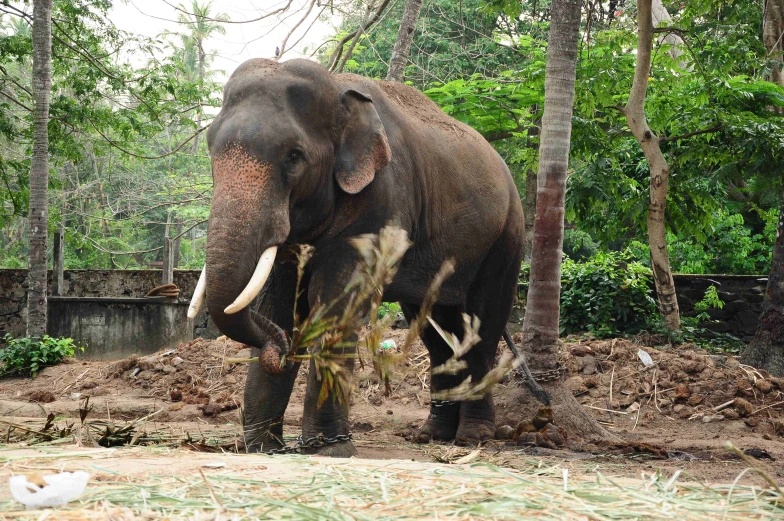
pixel 301 487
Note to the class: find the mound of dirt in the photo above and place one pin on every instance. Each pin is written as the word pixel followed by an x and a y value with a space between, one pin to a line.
pixel 620 378
pixel 193 373
pixel 635 390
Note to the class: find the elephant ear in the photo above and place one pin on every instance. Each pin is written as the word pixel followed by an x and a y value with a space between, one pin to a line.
pixel 364 147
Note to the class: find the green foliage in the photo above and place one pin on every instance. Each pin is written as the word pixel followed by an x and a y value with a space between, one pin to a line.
pixel 730 246
pixel 711 300
pixel 579 245
pixel 26 356
pixel 608 294
pixel 389 308
pixel 118 100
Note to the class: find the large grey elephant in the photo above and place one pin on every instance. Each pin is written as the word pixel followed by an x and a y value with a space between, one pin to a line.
pixel 300 155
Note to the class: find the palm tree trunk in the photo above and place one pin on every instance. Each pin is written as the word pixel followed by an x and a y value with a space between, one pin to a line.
pixel 772 29
pixel 660 170
pixel 202 58
pixel 39 168
pixel 400 53
pixel 540 328
pixel 766 351
pixel 529 211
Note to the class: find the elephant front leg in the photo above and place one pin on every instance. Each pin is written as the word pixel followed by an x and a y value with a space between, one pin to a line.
pixel 266 398
pixel 267 395
pixel 330 418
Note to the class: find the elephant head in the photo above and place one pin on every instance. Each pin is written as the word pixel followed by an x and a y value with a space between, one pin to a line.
pixel 287 140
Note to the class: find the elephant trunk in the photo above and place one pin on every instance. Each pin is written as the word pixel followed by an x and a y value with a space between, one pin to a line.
pixel 231 285
pixel 248 220
pixel 245 326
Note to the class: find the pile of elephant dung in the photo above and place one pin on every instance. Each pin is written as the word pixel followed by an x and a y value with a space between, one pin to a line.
pixel 192 373
pixel 684 383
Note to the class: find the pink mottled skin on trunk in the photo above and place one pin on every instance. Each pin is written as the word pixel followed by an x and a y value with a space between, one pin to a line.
pixel 240 180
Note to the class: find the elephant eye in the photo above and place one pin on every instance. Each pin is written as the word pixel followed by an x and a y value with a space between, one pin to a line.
pixel 295 157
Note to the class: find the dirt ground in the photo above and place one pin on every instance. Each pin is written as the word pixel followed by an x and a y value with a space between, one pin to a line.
pixel 674 414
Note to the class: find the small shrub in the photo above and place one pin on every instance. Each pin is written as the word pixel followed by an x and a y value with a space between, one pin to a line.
pixel 579 245
pixel 710 300
pixel 389 308
pixel 693 329
pixel 26 356
pixel 608 294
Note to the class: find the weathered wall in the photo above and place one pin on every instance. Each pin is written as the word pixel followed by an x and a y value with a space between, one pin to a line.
pixel 115 328
pixel 88 283
pixel 742 295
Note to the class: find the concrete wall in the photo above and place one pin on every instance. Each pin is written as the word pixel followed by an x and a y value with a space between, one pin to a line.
pixel 91 283
pixel 115 328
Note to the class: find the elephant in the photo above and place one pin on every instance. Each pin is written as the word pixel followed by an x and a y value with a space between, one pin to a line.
pixel 303 156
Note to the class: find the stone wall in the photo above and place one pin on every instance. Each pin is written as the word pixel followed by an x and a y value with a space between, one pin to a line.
pixel 88 283
pixel 742 295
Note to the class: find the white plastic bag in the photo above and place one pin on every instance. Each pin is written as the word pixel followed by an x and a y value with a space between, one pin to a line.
pixel 645 358
pixel 59 490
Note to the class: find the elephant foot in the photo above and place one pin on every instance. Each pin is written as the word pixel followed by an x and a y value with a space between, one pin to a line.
pixel 263 439
pixel 474 432
pixel 441 424
pixel 344 449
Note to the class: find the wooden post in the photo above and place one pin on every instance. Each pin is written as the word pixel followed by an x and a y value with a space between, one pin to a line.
pixel 168 254
pixel 58 281
pixel 177 239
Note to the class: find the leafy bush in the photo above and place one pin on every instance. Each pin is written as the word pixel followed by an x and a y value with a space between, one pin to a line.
pixel 731 247
pixel 27 356
pixel 608 294
pixel 387 308
pixel 579 245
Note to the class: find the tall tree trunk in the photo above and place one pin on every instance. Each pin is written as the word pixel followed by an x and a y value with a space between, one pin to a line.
pixel 529 206
pixel 772 29
pixel 39 168
pixel 540 328
pixel 660 170
pixel 766 351
pixel 202 58
pixel 400 53
pixel 529 211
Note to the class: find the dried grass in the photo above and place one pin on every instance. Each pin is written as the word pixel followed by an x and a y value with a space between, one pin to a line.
pixel 299 487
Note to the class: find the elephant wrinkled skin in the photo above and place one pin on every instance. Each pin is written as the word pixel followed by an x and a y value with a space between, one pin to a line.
pixel 303 156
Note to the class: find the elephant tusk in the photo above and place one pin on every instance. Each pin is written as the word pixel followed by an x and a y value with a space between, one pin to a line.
pixel 198 294
pixel 257 281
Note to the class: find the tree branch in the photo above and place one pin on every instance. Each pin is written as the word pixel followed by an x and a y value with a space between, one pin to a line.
pixel 336 54
pixel 202 17
pixel 714 128
pixel 167 154
pixel 296 25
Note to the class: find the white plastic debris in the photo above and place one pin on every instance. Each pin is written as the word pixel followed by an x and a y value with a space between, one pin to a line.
pixel 645 358
pixel 388 344
pixel 59 490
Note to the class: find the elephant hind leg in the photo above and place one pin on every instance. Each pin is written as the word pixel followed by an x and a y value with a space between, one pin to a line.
pixel 442 423
pixel 490 298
